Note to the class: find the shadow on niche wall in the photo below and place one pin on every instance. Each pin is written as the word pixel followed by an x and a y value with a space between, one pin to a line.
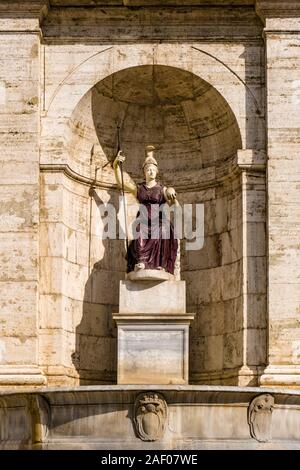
pixel 95 357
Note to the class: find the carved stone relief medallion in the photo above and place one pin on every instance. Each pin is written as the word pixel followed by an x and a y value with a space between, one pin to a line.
pixel 260 417
pixel 150 416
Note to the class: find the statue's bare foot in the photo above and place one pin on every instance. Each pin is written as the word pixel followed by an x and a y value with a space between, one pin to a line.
pixel 161 268
pixel 139 266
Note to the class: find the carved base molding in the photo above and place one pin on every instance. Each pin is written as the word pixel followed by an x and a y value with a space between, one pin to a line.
pixel 243 376
pixel 16 375
pixel 281 376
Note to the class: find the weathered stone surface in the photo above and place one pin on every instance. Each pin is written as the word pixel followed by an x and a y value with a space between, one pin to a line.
pixel 150 416
pixel 142 342
pixel 152 297
pixel 76 101
pixel 197 417
pixel 19 193
pixel 152 323
pixel 283 176
pixel 194 81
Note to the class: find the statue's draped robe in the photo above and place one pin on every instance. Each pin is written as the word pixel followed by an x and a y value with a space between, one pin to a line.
pixel 155 245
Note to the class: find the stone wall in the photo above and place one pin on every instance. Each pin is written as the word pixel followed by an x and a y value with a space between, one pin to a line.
pixel 214 286
pixel 191 417
pixel 282 39
pixel 79 289
pixel 19 193
pixel 194 82
pixel 226 284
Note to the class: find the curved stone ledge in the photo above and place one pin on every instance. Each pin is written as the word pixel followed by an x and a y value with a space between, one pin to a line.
pixel 245 160
pixel 198 417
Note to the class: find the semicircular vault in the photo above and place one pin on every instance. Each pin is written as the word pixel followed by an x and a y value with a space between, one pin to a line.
pixel 187 119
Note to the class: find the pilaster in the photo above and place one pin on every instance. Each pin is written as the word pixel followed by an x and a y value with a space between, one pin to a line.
pixel 19 191
pixel 282 62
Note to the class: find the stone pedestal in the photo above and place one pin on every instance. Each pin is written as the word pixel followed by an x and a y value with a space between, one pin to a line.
pixel 153 332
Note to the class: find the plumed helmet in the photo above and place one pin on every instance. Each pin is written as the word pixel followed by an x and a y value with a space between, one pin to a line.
pixel 149 160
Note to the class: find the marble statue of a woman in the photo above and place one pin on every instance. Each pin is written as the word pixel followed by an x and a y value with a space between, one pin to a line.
pixel 155 247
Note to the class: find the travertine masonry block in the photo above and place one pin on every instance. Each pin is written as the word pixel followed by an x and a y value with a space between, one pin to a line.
pixel 20 349
pixel 152 297
pixel 17 256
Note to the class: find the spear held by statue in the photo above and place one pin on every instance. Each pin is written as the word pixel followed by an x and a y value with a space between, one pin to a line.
pixel 119 153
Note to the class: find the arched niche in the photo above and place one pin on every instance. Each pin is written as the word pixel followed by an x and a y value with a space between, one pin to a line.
pixel 197 138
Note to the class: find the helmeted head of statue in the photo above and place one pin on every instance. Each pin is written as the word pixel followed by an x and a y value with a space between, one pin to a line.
pixel 150 164
pixel 149 160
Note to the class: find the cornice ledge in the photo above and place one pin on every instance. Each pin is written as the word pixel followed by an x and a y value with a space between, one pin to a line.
pixel 37 9
pixel 277 9
pixel 249 159
pixel 73 175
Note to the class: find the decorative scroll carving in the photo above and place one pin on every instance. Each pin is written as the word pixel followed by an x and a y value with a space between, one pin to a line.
pixel 260 417
pixel 150 416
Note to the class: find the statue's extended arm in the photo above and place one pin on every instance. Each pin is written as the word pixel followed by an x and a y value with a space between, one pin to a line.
pixel 129 184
